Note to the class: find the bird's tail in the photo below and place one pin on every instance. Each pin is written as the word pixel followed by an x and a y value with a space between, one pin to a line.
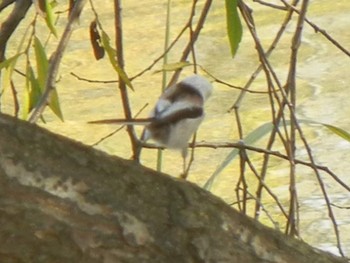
pixel 141 121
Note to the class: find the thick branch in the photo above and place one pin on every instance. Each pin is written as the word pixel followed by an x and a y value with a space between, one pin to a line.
pixel 70 203
pixel 11 23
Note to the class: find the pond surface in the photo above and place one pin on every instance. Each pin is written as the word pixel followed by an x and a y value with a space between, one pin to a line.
pixel 323 95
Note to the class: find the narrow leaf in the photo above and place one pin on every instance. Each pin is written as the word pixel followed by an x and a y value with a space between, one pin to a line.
pixel 32 92
pixel 26 93
pixel 54 104
pixel 175 66
pixel 251 138
pixel 49 18
pixel 42 62
pixel 234 26
pixel 112 58
pixel 9 65
pixel 338 131
pixel 6 63
pixel 42 70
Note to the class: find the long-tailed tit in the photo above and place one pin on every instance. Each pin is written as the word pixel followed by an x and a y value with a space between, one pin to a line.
pixel 177 114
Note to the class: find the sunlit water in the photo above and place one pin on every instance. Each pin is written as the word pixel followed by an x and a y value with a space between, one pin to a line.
pixel 323 78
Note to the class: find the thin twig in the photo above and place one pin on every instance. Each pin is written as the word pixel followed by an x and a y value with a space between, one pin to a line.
pixel 275 224
pixel 192 40
pixel 191 33
pixel 187 169
pixel 242 181
pixel 240 145
pixel 270 76
pixel 268 190
pixel 295 44
pixel 317 29
pixel 15 99
pixel 340 207
pixel 271 5
pixel 267 54
pixel 193 52
pixel 93 81
pixel 172 44
pixel 292 226
pixel 121 83
pixel 230 85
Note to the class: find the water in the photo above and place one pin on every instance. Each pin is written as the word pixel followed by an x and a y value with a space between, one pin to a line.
pixel 322 82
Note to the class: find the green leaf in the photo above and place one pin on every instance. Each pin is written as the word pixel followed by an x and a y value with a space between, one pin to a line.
pixel 234 26
pixel 338 131
pixel 33 91
pixel 9 61
pixel 251 138
pixel 26 93
pixel 42 63
pixel 42 70
pixel 175 66
pixel 9 65
pixel 112 58
pixel 49 18
pixel 54 104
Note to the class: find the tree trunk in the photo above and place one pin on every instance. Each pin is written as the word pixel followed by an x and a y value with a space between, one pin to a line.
pixel 62 201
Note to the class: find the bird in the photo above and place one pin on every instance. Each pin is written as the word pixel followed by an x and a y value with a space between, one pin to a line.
pixel 176 115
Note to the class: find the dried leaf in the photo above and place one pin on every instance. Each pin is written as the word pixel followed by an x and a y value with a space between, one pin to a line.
pixel 95 39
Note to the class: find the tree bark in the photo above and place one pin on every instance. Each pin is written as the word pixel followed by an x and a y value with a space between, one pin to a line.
pixel 62 201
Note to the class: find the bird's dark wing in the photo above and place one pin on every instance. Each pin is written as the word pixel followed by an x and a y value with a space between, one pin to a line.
pixel 176 116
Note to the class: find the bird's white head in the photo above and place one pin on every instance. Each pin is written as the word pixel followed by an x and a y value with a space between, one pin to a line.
pixel 199 83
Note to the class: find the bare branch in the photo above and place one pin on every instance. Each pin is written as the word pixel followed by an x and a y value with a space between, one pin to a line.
pixel 317 29
pixel 121 83
pixel 10 24
pixel 193 39
pixel 5 3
